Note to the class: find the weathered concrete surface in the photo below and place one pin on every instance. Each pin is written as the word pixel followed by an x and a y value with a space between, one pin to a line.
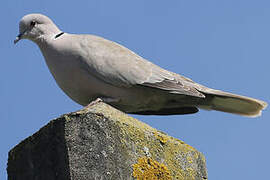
pixel 103 143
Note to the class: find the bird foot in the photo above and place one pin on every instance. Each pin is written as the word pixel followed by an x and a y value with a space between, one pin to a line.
pixel 98 100
pixel 104 99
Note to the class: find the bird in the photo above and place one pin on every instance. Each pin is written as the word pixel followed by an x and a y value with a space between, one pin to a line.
pixel 88 68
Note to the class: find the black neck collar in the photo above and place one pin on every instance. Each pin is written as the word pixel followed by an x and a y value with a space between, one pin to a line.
pixel 58 35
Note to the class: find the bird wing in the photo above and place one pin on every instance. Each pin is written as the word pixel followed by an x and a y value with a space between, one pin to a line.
pixel 119 66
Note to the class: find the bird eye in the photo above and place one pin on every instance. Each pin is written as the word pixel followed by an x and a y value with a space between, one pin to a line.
pixel 33 23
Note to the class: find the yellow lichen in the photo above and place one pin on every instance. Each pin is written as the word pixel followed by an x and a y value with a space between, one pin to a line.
pixel 149 169
pixel 162 138
pixel 189 159
pixel 67 118
pixel 136 135
pixel 191 173
pixel 190 147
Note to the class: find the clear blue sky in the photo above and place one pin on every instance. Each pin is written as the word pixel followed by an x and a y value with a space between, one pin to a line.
pixel 221 44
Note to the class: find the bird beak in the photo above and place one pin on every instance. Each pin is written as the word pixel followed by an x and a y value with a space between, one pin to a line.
pixel 18 38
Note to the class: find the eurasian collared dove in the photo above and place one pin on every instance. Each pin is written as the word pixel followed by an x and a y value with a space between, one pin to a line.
pixel 87 67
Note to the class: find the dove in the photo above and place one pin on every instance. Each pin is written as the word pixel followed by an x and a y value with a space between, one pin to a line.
pixel 88 67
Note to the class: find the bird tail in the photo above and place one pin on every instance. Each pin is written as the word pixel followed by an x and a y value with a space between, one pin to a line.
pixel 232 103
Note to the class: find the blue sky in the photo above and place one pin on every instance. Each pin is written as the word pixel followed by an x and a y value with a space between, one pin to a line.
pixel 221 44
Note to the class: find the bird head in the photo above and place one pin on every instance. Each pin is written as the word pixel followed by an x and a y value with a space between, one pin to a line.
pixel 36 27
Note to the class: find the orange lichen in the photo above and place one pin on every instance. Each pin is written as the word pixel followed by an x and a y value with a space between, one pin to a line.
pixel 148 169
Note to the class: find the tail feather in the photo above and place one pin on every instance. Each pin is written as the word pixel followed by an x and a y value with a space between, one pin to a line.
pixel 232 103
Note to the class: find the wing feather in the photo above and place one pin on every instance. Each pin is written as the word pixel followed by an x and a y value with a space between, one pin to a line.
pixel 120 66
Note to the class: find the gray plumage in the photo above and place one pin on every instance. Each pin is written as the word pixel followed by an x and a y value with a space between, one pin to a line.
pixel 87 67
